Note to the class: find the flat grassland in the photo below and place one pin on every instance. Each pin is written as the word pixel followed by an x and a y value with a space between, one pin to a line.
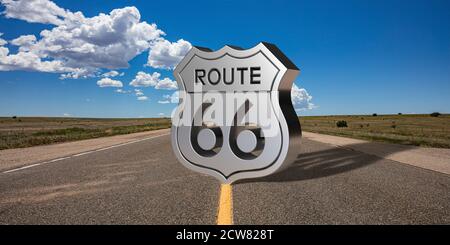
pixel 30 131
pixel 419 130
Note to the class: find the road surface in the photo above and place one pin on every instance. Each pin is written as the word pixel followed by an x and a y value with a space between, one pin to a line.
pixel 141 182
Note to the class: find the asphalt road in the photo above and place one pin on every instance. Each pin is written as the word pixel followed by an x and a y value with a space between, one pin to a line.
pixel 142 183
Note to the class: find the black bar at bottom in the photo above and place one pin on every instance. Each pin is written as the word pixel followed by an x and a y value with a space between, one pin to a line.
pixel 208 234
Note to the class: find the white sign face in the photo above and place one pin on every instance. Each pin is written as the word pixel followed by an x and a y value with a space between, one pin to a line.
pixel 235 119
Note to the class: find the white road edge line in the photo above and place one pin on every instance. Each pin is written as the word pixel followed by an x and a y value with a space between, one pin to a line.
pixel 25 167
pixel 81 154
pixel 59 159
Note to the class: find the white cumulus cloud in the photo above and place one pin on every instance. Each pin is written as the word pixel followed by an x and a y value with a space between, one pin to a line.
pixel 24 42
pixel 175 97
pixel 138 92
pixel 29 61
pixel 165 54
pixel 108 82
pixel 142 98
pixel 143 79
pixel 112 74
pixel 121 91
pixel 167 84
pixel 301 99
pixel 35 11
pixel 2 41
pixel 79 46
pixel 170 98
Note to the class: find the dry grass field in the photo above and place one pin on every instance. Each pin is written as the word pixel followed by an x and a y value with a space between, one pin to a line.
pixel 420 130
pixel 31 131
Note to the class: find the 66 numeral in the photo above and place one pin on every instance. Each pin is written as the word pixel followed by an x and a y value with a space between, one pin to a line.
pixel 246 142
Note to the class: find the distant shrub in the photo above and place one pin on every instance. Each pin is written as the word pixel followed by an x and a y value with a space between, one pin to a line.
pixel 399 113
pixel 393 125
pixel 374 115
pixel 14 117
pixel 361 126
pixel 368 124
pixel 435 114
pixel 341 124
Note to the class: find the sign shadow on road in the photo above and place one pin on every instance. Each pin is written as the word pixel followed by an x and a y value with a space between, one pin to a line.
pixel 325 163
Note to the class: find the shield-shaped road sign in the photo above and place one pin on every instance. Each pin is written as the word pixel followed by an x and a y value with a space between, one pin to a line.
pixel 235 118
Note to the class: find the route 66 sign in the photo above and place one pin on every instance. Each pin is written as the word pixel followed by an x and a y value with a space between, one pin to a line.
pixel 235 118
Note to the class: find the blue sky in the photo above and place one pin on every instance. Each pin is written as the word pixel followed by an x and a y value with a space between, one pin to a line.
pixel 356 57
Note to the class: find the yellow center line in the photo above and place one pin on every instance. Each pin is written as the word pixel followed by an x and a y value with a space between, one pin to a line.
pixel 225 212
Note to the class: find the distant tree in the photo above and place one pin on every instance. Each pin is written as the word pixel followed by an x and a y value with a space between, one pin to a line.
pixel 399 113
pixel 374 115
pixel 14 117
pixel 341 124
pixel 435 114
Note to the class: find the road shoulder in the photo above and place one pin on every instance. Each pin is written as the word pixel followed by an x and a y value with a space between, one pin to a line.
pixel 436 159
pixel 12 158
